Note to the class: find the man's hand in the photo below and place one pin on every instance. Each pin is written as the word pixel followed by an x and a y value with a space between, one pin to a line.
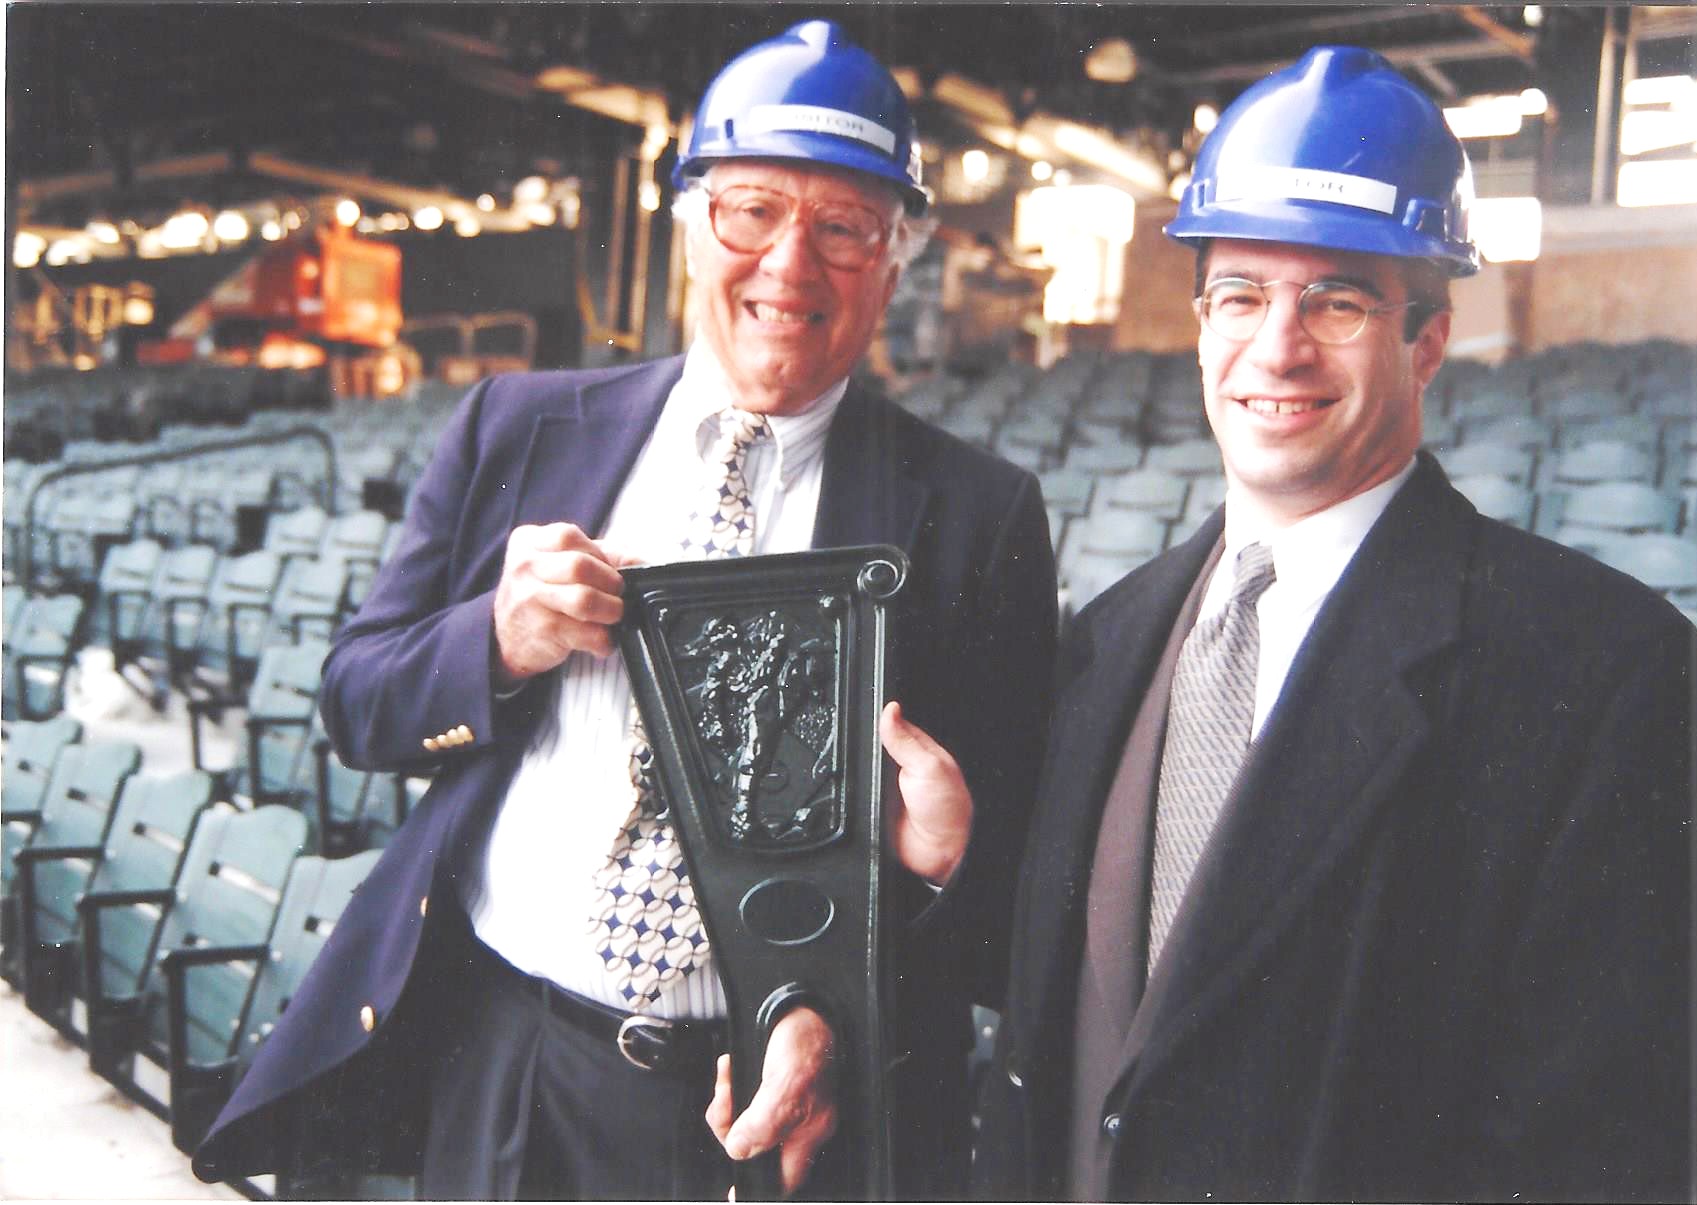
pixel 796 1106
pixel 932 817
pixel 558 593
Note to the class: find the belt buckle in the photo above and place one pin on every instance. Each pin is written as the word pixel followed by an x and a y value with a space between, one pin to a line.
pixel 627 1036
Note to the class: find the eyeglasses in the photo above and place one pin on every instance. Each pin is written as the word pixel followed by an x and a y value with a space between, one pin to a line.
pixel 750 220
pixel 1330 311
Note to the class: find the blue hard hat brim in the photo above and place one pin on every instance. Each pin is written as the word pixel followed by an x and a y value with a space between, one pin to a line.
pixel 810 150
pixel 1318 224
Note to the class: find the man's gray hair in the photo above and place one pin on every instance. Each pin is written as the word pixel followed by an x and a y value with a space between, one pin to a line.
pixel 908 234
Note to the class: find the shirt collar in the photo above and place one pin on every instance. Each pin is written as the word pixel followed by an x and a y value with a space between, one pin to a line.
pixel 1311 554
pixel 797 439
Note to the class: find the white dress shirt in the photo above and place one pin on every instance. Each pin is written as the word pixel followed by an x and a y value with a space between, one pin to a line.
pixel 1309 557
pixel 529 888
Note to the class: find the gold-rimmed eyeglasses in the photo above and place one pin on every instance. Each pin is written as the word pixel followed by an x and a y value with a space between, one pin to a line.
pixel 749 220
pixel 1329 311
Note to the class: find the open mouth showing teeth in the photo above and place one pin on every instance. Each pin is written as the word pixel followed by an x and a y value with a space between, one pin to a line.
pixel 1263 405
pixel 771 313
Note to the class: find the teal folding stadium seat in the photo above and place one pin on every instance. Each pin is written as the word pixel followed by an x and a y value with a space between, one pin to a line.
pixel 143 844
pixel 317 891
pixel 1151 491
pixel 226 894
pixel 122 596
pixel 296 533
pixel 1602 461
pixel 40 643
pixel 1499 498
pixel 1616 507
pixel 1665 563
pixel 1192 458
pixel 280 710
pixel 1511 463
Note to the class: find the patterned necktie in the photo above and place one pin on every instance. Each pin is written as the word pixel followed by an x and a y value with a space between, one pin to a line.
pixel 646 927
pixel 1208 722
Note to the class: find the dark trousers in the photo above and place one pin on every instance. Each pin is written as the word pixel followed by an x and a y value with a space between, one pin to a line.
pixel 524 1105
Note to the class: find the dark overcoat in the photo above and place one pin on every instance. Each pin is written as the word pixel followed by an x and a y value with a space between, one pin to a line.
pixel 971 658
pixel 1439 946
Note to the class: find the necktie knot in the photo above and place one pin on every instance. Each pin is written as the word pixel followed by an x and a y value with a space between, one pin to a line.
pixel 1253 574
pixel 739 430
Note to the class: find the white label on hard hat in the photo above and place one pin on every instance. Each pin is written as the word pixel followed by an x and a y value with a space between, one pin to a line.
pixel 1307 184
pixel 764 118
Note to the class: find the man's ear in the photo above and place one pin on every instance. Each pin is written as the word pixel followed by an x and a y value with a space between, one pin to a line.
pixel 1429 344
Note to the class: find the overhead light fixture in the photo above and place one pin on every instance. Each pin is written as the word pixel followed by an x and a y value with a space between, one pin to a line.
pixel 1533 15
pixel 1175 190
pixel 427 217
pixel 486 202
pixel 1507 229
pixel 184 231
pixel 467 226
pixel 60 252
pixel 27 249
pixel 1205 118
pixel 366 225
pixel 1678 91
pixel 1533 102
pixel 648 196
pixel 1485 117
pixel 347 211
pixel 654 140
pixel 1062 177
pixel 292 219
pixel 1657 182
pixel 231 226
pixel 271 230
pixel 571 209
pixel 975 166
pixel 1042 170
pixel 1111 61
pixel 530 190
pixel 138 311
pixel 539 214
pixel 102 231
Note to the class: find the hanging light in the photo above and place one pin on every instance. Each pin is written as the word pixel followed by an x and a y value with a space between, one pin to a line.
pixel 231 226
pixel 466 226
pixel 427 217
pixel 975 166
pixel 1042 170
pixel 648 196
pixel 102 231
pixel 530 190
pixel 271 230
pixel 27 249
pixel 347 211
pixel 1205 118
pixel 486 202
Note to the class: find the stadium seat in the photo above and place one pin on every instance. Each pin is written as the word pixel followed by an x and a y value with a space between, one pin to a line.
pixel 1602 461
pixel 1499 498
pixel 203 1076
pixel 1193 458
pixel 226 894
pixel 1506 461
pixel 39 645
pixel 296 533
pixel 1519 431
pixel 1638 430
pixel 1618 507
pixel 170 631
pixel 1067 490
pixel 145 838
pixel 279 725
pixel 1665 563
pixel 74 811
pixel 1104 459
pixel 236 618
pixel 1151 491
pixel 123 594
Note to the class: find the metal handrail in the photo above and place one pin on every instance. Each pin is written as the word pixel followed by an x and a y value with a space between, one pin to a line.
pixel 83 467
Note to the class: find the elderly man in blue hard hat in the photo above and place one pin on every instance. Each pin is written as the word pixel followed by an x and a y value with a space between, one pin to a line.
pixel 1361 867
pixel 488 1012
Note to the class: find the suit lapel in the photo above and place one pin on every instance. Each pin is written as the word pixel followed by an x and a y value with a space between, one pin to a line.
pixel 1104 669
pixel 869 493
pixel 1335 747
pixel 581 454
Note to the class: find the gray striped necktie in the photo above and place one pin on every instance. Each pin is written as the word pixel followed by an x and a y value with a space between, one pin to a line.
pixel 1208 722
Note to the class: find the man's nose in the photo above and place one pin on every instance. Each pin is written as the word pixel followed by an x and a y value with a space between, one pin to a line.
pixel 792 256
pixel 1282 344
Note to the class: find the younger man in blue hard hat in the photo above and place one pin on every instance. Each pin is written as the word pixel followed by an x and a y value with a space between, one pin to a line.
pixel 477 1014
pixel 1362 862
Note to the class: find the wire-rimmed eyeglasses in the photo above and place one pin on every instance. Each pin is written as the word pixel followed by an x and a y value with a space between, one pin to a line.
pixel 749 220
pixel 1329 311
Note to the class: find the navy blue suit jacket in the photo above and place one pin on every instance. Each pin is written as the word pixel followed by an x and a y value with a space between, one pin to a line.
pixel 971 659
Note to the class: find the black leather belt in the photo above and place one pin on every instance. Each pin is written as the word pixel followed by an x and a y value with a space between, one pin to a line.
pixel 648 1043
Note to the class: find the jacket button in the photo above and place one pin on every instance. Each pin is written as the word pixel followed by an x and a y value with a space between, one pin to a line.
pixel 464 734
pixel 423 905
pixel 431 743
pixel 1112 1124
pixel 367 1018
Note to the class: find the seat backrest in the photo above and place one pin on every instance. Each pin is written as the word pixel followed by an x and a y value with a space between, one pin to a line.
pixel 44 626
pixel 1152 491
pixel 1665 563
pixel 1124 534
pixel 287 681
pixel 83 793
pixel 1507 461
pixel 355 535
pixel 32 750
pixel 145 847
pixel 1624 506
pixel 131 566
pixel 297 532
pixel 317 892
pixel 1192 458
pixel 227 894
pixel 1499 498
pixel 1604 460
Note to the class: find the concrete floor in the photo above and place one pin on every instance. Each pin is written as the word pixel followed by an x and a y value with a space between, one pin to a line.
pixel 68 1135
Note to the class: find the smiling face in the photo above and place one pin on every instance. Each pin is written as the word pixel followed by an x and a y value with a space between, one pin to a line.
pixel 786 325
pixel 1303 425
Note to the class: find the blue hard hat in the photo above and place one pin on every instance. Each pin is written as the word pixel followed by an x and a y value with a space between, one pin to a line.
pixel 812 96
pixel 1337 151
